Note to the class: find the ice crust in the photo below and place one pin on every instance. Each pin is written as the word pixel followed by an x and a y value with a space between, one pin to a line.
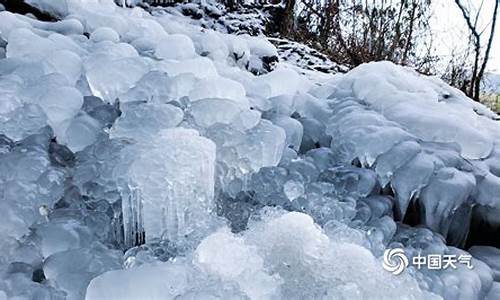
pixel 223 176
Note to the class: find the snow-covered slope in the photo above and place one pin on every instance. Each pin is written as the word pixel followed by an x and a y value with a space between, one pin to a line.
pixel 221 173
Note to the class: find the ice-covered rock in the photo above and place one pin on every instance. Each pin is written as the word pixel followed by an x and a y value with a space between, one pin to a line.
pixel 104 34
pixel 152 119
pixel 23 43
pixel 490 256
pixel 220 87
pixel 427 104
pixel 417 161
pixel 241 152
pixel 175 46
pixel 153 87
pixel 65 62
pixel 80 132
pixel 494 292
pixel 28 180
pixel 113 68
pixel 143 282
pixel 23 121
pixel 200 67
pixel 73 276
pixel 279 86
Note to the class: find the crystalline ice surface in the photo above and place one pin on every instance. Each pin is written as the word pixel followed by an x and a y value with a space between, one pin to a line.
pixel 150 282
pixel 149 122
pixel 489 255
pixel 170 186
pixel 285 255
pixel 175 46
pixel 151 117
pixel 108 78
pixel 104 34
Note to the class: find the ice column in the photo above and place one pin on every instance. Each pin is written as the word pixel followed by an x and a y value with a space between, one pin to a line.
pixel 170 187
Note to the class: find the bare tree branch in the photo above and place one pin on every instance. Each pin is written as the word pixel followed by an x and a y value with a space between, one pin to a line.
pixel 479 66
pixel 488 47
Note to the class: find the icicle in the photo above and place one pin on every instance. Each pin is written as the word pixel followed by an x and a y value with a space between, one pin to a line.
pixel 132 218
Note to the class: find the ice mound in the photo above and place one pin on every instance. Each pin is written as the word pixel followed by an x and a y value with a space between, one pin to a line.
pixel 175 46
pixel 104 34
pixel 426 108
pixel 74 277
pixel 28 180
pixel 153 118
pixel 109 77
pixel 143 282
pixel 436 160
pixel 490 256
pixel 282 255
pixel 221 254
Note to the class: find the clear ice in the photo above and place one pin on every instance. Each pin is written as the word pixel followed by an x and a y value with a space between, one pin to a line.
pixel 147 154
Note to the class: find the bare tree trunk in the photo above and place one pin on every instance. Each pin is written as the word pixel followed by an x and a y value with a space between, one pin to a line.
pixel 487 53
pixel 287 25
pixel 410 34
pixel 473 81
pixel 479 67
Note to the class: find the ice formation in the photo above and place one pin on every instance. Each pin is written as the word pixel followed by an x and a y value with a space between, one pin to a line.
pixel 267 261
pixel 154 153
pixel 165 195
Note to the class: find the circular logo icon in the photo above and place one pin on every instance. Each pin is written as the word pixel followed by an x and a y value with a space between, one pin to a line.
pixel 395 260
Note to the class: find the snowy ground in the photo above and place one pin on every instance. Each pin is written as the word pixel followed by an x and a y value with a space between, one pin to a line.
pixel 153 155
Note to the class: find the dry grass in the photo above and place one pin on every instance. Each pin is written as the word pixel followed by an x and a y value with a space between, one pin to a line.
pixel 491 100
